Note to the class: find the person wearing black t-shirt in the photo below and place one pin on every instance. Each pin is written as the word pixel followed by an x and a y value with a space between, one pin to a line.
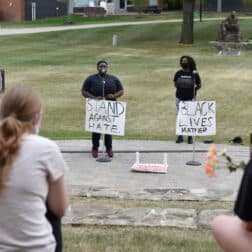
pixel 187 81
pixel 93 87
pixel 234 233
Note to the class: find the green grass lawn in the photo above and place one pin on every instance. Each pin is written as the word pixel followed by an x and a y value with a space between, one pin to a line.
pixel 93 238
pixel 145 59
pixel 132 239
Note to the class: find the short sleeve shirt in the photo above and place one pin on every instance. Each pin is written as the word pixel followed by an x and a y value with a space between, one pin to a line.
pixel 23 224
pixel 243 204
pixel 184 82
pixel 94 85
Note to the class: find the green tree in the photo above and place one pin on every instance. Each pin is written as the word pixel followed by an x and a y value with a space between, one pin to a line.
pixel 247 4
pixel 187 24
pixel 140 5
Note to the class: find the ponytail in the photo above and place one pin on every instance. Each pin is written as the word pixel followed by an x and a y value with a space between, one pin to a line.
pixel 19 106
pixel 11 131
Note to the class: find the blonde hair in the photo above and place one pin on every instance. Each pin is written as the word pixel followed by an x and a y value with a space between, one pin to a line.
pixel 19 106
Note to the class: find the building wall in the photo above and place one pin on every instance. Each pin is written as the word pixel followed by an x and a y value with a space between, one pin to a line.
pixel 227 5
pixel 45 9
pixel 12 10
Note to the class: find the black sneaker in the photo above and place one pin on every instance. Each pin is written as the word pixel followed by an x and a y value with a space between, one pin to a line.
pixel 189 140
pixel 180 139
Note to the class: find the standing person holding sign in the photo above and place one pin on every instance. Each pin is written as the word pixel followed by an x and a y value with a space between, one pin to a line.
pixel 102 86
pixel 187 81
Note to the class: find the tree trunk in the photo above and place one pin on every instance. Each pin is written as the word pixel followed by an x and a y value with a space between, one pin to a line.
pixel 187 25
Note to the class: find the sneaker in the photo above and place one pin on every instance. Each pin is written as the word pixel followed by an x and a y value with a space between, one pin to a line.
pixel 179 139
pixel 110 153
pixel 189 140
pixel 94 153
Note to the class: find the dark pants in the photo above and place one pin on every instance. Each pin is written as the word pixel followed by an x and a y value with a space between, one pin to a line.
pixel 56 227
pixel 96 139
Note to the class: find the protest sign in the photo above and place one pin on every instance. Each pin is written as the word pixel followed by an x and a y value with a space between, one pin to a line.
pixel 106 117
pixel 196 118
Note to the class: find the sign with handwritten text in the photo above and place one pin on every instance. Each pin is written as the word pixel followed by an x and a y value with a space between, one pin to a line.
pixel 106 117
pixel 196 118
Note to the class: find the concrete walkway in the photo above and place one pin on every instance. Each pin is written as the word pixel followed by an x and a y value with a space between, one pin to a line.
pixel 89 178
pixel 16 31
pixel 115 178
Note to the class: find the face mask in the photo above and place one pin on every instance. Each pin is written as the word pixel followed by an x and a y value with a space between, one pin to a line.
pixel 103 70
pixel 184 65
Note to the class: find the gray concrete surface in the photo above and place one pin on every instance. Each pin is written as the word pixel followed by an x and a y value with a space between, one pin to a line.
pixel 141 216
pixel 89 178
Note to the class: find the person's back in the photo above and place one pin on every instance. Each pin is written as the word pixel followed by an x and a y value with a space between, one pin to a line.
pixel 30 166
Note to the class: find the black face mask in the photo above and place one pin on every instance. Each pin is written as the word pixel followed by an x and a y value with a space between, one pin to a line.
pixel 184 65
pixel 102 71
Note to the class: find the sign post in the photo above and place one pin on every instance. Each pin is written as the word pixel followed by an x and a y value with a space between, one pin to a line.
pixel 250 145
pixel 196 118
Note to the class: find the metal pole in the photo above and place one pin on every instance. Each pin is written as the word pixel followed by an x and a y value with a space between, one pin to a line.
pixel 114 40
pixel 103 158
pixel 251 145
pixel 200 10
pixel 219 5
pixel 193 162
pixel 33 4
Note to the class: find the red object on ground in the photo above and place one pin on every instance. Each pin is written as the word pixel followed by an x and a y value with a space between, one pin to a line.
pixel 156 168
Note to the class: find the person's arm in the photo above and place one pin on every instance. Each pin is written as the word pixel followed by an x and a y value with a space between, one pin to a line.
pixel 247 225
pixel 86 94
pixel 119 94
pixel 119 90
pixel 115 95
pixel 197 82
pixel 176 75
pixel 85 90
pixel 58 197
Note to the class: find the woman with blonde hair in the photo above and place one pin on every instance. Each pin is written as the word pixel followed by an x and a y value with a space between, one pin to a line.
pixel 31 172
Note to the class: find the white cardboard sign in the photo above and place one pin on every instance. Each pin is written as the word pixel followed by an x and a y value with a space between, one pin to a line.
pixel 196 118
pixel 106 117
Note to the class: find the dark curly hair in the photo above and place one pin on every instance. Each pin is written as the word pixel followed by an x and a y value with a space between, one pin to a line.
pixel 191 62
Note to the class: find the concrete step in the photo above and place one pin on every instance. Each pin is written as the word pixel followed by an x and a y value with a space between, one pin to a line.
pixel 79 214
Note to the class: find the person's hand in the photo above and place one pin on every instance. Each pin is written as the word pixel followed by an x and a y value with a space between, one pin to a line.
pixel 110 97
